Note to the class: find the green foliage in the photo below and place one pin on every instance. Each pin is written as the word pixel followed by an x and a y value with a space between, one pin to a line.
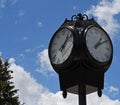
pixel 8 95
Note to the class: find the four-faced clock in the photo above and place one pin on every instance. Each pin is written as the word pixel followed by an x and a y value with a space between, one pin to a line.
pixel 65 46
pixel 98 45
pixel 80 51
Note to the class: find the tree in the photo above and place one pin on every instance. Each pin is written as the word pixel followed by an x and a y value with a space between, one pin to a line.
pixel 7 92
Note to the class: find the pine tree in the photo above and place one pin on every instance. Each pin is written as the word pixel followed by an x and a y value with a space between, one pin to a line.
pixel 7 92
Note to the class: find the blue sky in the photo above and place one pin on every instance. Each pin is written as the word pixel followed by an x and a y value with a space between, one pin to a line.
pixel 26 27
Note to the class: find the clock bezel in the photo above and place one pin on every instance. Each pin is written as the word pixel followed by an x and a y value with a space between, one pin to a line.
pixel 70 62
pixel 92 61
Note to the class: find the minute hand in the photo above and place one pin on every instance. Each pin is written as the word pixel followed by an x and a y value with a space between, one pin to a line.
pixel 100 43
pixel 63 45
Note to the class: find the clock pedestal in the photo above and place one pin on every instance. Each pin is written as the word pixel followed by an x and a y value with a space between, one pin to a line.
pixel 82 94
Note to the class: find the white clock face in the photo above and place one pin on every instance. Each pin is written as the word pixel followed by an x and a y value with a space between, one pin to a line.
pixel 61 46
pixel 98 44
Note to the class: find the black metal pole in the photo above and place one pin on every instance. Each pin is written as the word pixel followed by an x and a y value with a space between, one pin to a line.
pixel 82 94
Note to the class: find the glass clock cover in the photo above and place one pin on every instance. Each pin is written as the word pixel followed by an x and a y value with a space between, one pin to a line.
pixel 98 44
pixel 61 46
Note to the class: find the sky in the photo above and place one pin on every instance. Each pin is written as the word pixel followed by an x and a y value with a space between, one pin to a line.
pixel 26 27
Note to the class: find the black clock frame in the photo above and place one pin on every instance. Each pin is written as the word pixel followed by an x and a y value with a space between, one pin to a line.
pixel 90 61
pixel 72 60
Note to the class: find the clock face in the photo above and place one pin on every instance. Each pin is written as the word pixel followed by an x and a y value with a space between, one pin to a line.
pixel 98 44
pixel 61 46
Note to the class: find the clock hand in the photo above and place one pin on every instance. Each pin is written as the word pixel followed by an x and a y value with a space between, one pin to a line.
pixel 58 56
pixel 100 43
pixel 103 42
pixel 63 45
pixel 97 44
pixel 66 49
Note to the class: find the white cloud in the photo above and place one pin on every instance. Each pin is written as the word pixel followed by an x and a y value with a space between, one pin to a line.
pixel 28 50
pixel 105 13
pixel 3 3
pixel 74 7
pixel 13 2
pixel 93 99
pixel 45 66
pixel 25 38
pixel 39 23
pixel 21 13
pixel 11 60
pixel 113 89
pixel 32 93
pixel 34 49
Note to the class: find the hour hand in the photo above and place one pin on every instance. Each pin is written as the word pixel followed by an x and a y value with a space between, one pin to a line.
pixel 100 43
pixel 97 44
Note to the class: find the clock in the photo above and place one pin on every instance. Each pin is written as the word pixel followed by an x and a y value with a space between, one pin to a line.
pixel 62 47
pixel 80 51
pixel 98 46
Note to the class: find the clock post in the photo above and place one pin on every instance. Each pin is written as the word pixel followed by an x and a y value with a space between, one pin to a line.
pixel 81 51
